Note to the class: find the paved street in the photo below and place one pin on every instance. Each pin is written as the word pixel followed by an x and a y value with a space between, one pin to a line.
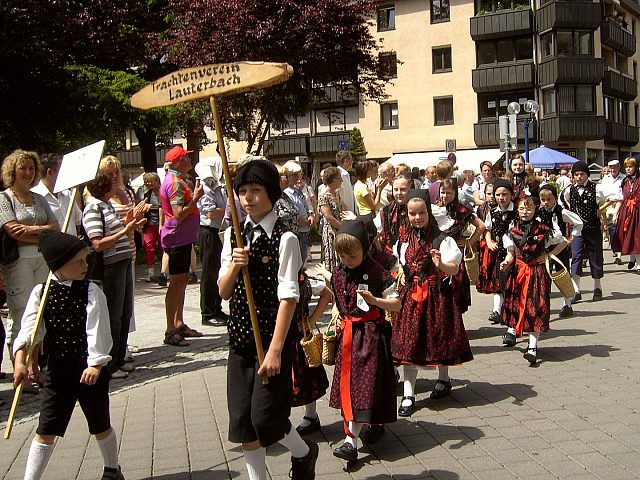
pixel 576 415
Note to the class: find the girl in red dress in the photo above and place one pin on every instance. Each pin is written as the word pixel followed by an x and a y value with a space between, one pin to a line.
pixel 428 331
pixel 627 235
pixel 486 257
pixel 526 295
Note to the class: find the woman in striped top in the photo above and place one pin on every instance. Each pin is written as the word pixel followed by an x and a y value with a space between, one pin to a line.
pixel 109 235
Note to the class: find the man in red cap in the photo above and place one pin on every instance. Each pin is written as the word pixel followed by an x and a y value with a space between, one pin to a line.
pixel 179 232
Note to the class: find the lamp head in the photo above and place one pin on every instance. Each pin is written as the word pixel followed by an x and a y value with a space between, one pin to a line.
pixel 513 108
pixel 531 106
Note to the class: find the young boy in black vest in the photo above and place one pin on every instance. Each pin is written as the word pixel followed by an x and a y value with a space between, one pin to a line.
pixel 78 339
pixel 583 199
pixel 258 413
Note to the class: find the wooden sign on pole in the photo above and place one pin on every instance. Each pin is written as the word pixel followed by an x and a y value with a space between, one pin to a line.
pixel 212 81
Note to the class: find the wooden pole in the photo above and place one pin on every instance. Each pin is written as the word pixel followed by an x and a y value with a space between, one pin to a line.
pixel 43 302
pixel 238 231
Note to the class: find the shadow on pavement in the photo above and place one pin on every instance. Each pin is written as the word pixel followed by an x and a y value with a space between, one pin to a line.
pixel 197 475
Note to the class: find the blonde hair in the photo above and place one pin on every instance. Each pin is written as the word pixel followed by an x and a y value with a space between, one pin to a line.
pixel 630 161
pixel 347 244
pixel 17 159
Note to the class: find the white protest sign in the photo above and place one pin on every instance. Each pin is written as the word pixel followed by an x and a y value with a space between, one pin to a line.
pixel 79 166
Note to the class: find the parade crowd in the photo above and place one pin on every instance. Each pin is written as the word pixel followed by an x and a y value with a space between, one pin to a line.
pixel 401 250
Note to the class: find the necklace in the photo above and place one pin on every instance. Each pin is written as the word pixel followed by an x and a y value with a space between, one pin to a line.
pixel 23 203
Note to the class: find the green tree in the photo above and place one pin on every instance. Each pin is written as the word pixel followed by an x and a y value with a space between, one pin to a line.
pixel 356 143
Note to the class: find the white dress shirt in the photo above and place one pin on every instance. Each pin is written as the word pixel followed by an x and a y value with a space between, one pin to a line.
pixel 59 205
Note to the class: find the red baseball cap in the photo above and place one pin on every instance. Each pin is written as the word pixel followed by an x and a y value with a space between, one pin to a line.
pixel 176 153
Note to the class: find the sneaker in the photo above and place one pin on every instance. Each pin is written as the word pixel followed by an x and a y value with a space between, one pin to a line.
pixel 112 473
pixel 193 278
pixel 372 433
pixel 508 340
pixel 214 322
pixel 597 294
pixel 346 452
pixel 495 317
pixel 566 311
pixel 119 374
pixel 305 468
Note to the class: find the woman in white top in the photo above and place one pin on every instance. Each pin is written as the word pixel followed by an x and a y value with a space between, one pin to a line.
pixel 477 187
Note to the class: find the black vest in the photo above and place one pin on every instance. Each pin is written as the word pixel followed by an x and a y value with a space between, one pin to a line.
pixel 585 205
pixel 65 318
pixel 501 221
pixel 264 262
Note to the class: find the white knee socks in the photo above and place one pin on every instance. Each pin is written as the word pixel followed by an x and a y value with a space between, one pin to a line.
pixel 596 283
pixel 354 428
pixel 309 412
pixel 497 302
pixel 39 455
pixel 256 463
pixel 295 444
pixel 409 374
pixel 109 449
pixel 533 340
pixel 576 282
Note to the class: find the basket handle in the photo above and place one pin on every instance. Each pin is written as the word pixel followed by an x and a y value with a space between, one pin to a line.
pixel 555 259
pixel 469 247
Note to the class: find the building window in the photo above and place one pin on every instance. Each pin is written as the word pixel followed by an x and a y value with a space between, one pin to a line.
pixel 441 59
pixel 389 115
pixel 567 43
pixel 443 110
pixel 489 6
pixel 439 11
pixel 549 101
pixel 492 105
pixel 491 52
pixel 336 119
pixel 609 111
pixel 386 18
pixel 576 99
pixel 389 65
pixel 636 112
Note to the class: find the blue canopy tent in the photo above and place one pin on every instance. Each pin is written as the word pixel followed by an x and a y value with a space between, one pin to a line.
pixel 544 157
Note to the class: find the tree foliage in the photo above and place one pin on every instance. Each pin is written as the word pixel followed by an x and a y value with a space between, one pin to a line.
pixel 328 42
pixel 356 143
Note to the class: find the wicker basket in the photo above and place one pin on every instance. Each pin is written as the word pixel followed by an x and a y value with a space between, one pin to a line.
pixel 471 263
pixel 311 344
pixel 560 277
pixel 330 340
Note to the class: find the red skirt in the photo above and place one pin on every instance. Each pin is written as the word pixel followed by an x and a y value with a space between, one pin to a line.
pixel 462 288
pixel 309 384
pixel 488 279
pixel 526 299
pixel 430 332
pixel 627 235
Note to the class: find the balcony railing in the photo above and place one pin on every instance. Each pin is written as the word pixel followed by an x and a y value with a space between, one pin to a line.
pixel 616 37
pixel 327 142
pixel 487 133
pixel 498 78
pixel 568 14
pixel 286 145
pixel 578 70
pixel 505 23
pixel 572 127
pixel 618 134
pixel 618 85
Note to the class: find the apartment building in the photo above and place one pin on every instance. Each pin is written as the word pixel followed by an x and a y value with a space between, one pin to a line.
pixel 461 62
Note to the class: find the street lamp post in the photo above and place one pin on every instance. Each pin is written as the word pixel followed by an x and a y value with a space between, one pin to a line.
pixel 531 107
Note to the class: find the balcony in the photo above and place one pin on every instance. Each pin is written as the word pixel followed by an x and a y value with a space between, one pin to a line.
pixel 568 14
pixel 487 133
pixel 506 23
pixel 503 77
pixel 578 70
pixel 617 85
pixel 616 37
pixel 334 96
pixel 572 127
pixel 286 145
pixel 327 142
pixel 618 134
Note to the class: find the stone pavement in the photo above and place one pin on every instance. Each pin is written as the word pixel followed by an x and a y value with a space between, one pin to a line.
pixel 576 415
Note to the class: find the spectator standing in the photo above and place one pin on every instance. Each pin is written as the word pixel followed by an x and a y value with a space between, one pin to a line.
pixel 211 206
pixel 306 218
pixel 477 187
pixel 151 229
pixel 59 202
pixel 179 232
pixel 387 173
pixel 430 176
pixel 344 160
pixel 332 213
pixel 444 171
pixel 611 185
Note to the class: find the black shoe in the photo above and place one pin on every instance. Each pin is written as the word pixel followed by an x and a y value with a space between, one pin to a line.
pixel 305 468
pixel 112 474
pixel 566 311
pixel 162 280
pixel 577 297
pixel 495 317
pixel 508 340
pixel 617 261
pixel 530 355
pixel 631 264
pixel 220 315
pixel 214 322
pixel 193 278
pixel 372 433
pixel 597 294
pixel 346 452
pixel 314 426
pixel 407 411
pixel 438 393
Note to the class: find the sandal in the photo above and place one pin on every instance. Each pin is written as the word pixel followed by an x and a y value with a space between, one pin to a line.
pixel 188 332
pixel 174 338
